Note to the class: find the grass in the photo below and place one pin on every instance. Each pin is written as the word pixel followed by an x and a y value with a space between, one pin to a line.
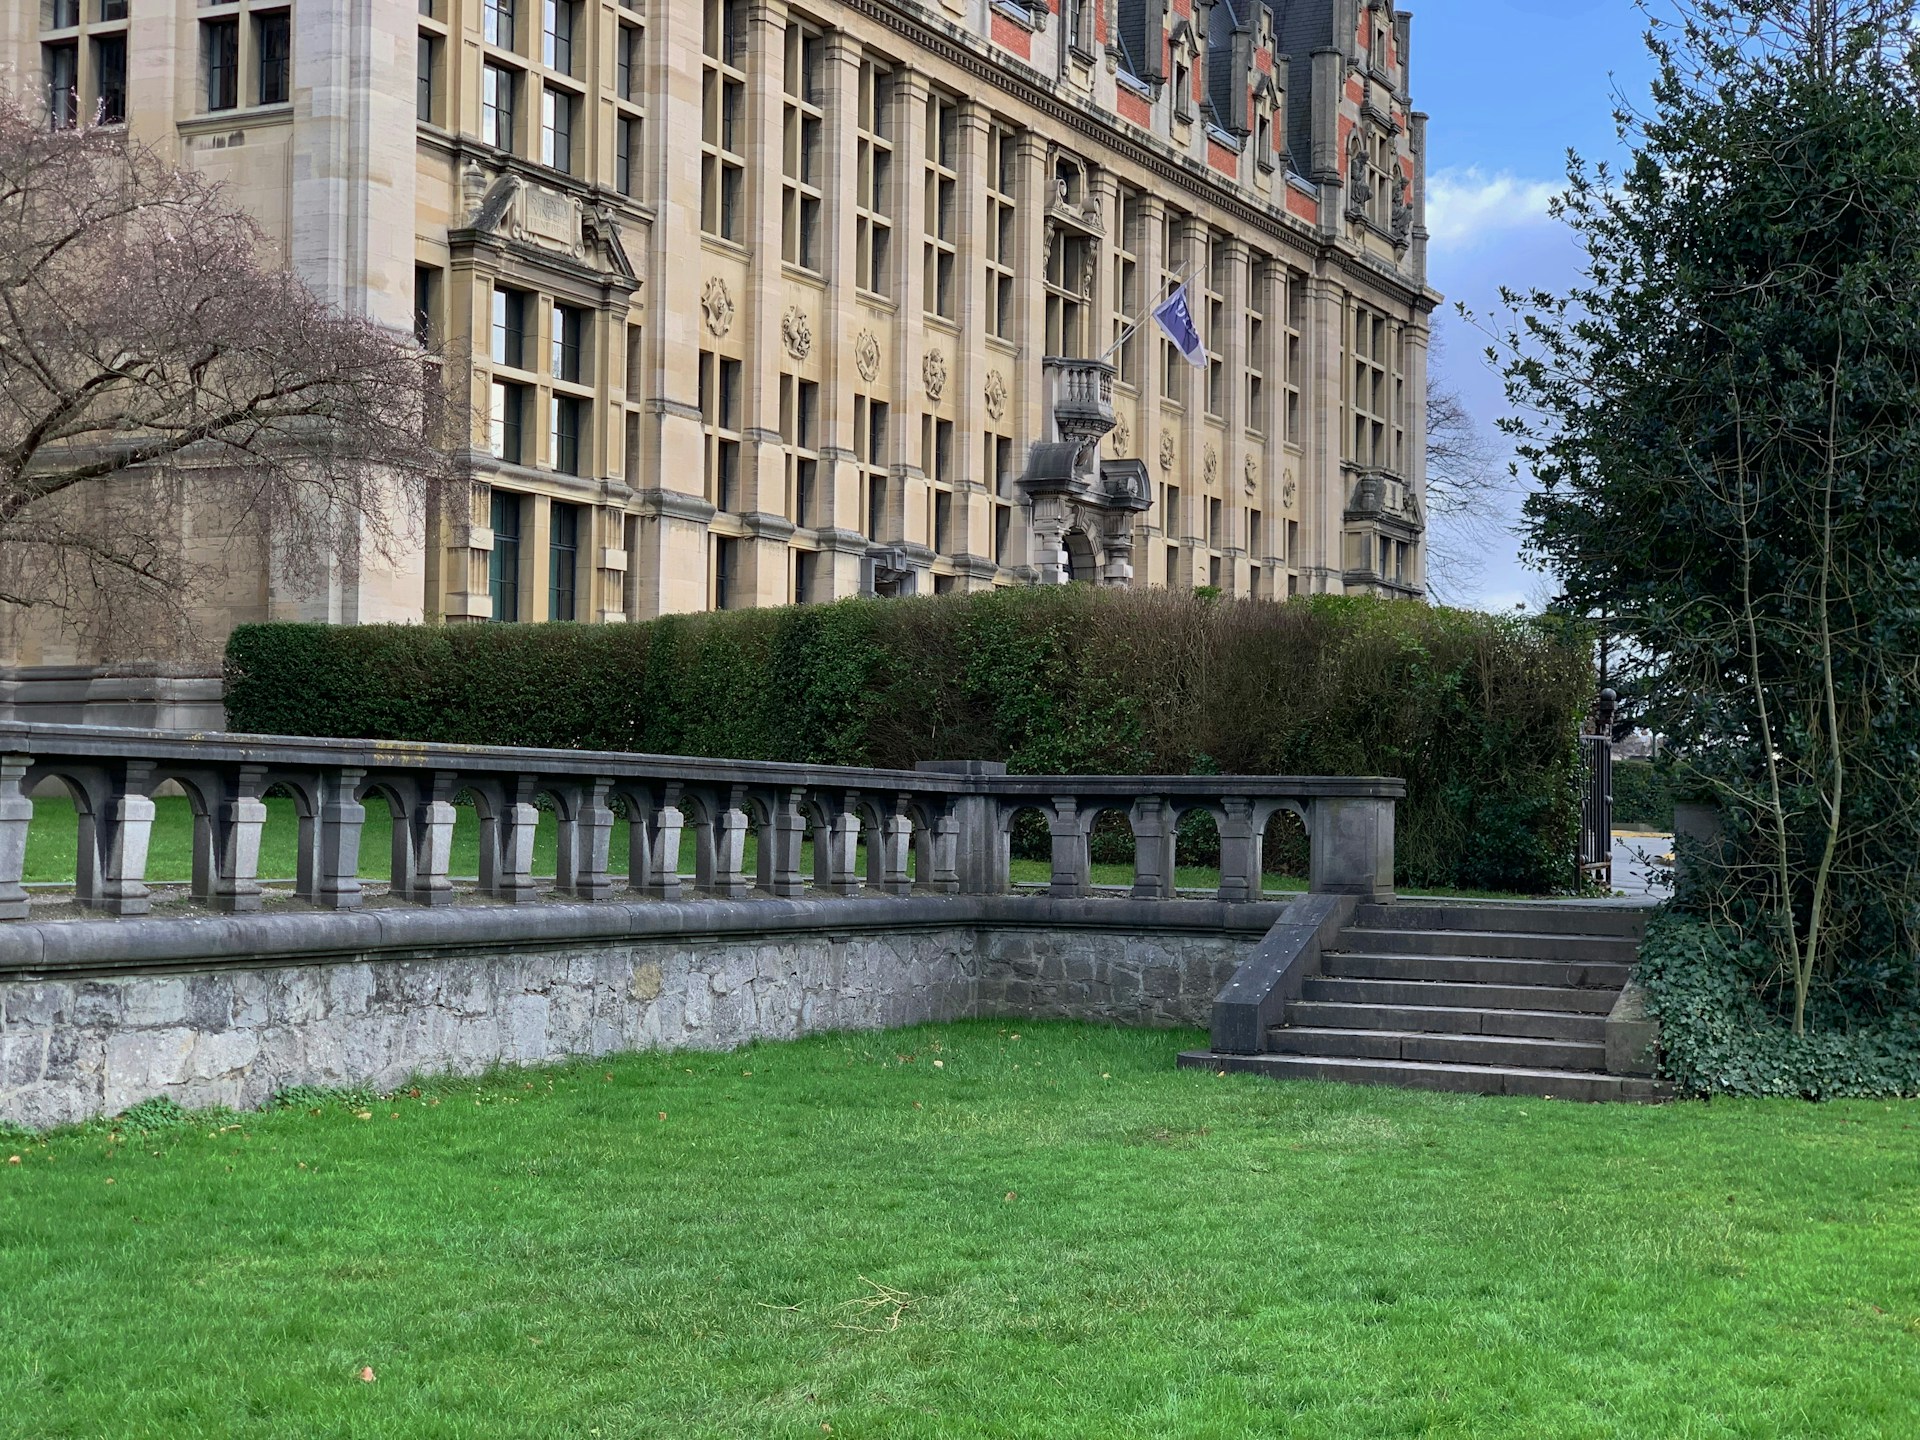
pixel 51 842
pixel 964 1231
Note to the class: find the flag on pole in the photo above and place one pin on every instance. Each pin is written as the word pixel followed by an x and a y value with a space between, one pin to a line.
pixel 1175 320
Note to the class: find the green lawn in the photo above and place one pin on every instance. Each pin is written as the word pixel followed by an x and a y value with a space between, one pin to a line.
pixel 973 1230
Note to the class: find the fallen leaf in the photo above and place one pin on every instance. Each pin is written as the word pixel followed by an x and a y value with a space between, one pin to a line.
pixel 746 1074
pixel 1013 1195
pixel 110 1178
pixel 366 1374
pixel 363 1114
pixel 939 1064
pixel 918 1106
pixel 13 1159
pixel 663 1114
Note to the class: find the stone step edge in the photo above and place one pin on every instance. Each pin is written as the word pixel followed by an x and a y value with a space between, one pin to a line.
pixel 1402 956
pixel 1202 1059
pixel 1458 985
pixel 1465 1036
pixel 1384 1006
pixel 1546 937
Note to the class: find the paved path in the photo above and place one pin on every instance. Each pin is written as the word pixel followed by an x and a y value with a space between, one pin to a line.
pixel 1640 866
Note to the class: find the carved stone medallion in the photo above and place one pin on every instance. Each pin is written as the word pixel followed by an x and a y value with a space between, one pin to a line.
pixel 1287 489
pixel 996 395
pixel 1166 452
pixel 796 333
pixel 1210 466
pixel 716 301
pixel 933 370
pixel 866 355
pixel 1121 437
pixel 1253 474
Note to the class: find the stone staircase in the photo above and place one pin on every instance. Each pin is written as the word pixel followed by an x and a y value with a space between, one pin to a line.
pixel 1484 998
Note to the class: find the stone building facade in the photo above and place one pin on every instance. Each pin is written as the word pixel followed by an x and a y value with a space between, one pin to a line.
pixel 788 300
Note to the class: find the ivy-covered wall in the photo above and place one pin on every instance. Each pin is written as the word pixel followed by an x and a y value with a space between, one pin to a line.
pixel 1478 713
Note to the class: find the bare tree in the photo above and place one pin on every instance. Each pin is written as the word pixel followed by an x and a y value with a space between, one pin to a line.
pixel 159 372
pixel 1463 487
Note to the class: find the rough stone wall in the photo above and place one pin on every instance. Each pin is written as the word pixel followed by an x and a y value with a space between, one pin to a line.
pixel 73 1049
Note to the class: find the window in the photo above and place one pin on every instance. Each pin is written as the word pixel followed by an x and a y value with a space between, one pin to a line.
pixel 61 14
pixel 110 79
pixel 996 458
pixel 1126 286
pixel 565 416
pixel 870 460
pixel 569 326
pixel 506 421
pixel 1382 168
pixel 509 327
pixel 802 163
pixel 626 160
pixel 873 176
pixel 1219 262
pixel 499 21
pixel 426 8
pixel 423 81
pixel 629 63
pixel 220 63
pixel 1172 263
pixel 1003 162
pixel 426 300
pixel 1256 307
pixel 1294 307
pixel 62 64
pixel 496 105
pixel 1375 393
pixel 270 52
pixel 1173 520
pixel 941 223
pixel 1182 88
pixel 111 10
pixel 720 386
pixel 503 565
pixel 563 560
pixel 556 128
pixel 1069 271
pixel 726 571
pixel 936 462
pixel 800 438
pixel 629 88
pixel 556 41
pixel 1255 538
pixel 805 566
pixel 723 160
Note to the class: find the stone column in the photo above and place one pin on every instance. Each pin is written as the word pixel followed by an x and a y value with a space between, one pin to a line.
pixel 664 882
pixel 1153 836
pixel 232 884
pixel 586 829
pixel 724 852
pixel 777 867
pixel 937 856
pixel 842 870
pixel 335 882
pixel 506 844
pixel 16 814
pixel 1071 872
pixel 114 833
pixel 887 850
pixel 430 828
pixel 1239 851
pixel 1352 844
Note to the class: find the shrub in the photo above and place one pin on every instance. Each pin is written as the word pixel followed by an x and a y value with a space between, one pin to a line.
pixel 1478 713
pixel 1642 796
pixel 1719 1035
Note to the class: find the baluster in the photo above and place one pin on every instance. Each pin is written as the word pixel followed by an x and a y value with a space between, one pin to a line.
pixel 843 846
pixel 1239 851
pixel 890 845
pixel 114 834
pixel 1153 836
pixel 428 835
pixel 664 884
pixel 937 848
pixel 336 871
pixel 728 839
pixel 586 829
pixel 239 815
pixel 519 822
pixel 639 842
pixel 1071 872
pixel 16 815
pixel 778 866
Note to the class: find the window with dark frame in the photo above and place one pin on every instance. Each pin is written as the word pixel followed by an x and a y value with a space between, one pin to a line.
pixel 62 66
pixel 272 41
pixel 220 62
pixel 503 564
pixel 110 79
pixel 497 88
pixel 563 560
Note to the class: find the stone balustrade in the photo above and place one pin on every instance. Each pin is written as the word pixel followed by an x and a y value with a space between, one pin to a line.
pixel 943 828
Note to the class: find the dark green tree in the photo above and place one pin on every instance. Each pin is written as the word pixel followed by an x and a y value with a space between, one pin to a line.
pixel 1724 418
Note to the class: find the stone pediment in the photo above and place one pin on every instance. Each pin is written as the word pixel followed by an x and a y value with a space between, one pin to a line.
pixel 546 219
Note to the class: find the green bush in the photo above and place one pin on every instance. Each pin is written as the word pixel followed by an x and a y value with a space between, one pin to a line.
pixel 1642 796
pixel 1478 713
pixel 1720 1036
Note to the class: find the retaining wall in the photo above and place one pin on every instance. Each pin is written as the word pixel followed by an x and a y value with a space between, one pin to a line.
pixel 98 1015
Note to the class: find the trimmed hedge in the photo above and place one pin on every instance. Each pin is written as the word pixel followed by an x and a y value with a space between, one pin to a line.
pixel 1642 796
pixel 1718 1036
pixel 1478 713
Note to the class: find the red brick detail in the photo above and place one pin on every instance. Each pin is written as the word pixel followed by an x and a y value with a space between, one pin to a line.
pixel 1356 92
pixel 1012 36
pixel 1100 24
pixel 1346 132
pixel 1133 107
pixel 1302 206
pixel 1221 158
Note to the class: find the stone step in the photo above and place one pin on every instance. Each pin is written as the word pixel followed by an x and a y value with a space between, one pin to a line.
pixel 1465 997
pixel 1511 1051
pixel 1477 970
pixel 1493 944
pixel 1429 1075
pixel 1619 921
pixel 1443 1019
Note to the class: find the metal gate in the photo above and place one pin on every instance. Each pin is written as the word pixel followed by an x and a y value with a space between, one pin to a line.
pixel 1596 810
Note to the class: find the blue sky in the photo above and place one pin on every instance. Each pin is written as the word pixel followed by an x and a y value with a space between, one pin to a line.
pixel 1510 86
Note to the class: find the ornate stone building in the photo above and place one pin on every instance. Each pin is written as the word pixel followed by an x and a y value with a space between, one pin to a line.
pixel 772 302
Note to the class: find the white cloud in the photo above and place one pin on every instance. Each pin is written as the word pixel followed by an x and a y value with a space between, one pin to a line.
pixel 1465 205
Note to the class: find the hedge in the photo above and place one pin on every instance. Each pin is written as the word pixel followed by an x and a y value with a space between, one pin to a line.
pixel 1642 796
pixel 1720 1036
pixel 1478 713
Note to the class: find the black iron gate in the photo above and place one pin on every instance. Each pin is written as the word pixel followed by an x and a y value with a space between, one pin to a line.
pixel 1596 810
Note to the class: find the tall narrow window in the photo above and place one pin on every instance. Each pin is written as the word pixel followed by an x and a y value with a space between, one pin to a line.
pixel 1294 307
pixel 629 91
pixel 726 572
pixel 936 463
pixel 503 565
pixel 569 327
pixel 423 91
pixel 499 23
pixel 626 159
pixel 497 84
pixel 62 14
pixel 802 163
pixel 1370 395
pixel 1069 262
pixel 506 421
pixel 720 385
pixel 870 460
pixel 628 63
pixel 556 47
pixel 1256 416
pixel 426 301
pixel 873 181
pixel 62 65
pixel 941 222
pixel 271 38
pixel 1172 266
pixel 723 160
pixel 565 419
pixel 1219 264
pixel 563 560
pixel 110 79
pixel 996 459
pixel 556 128
pixel 111 10
pixel 1003 162
pixel 509 327
pixel 1126 285
pixel 220 63
pixel 799 434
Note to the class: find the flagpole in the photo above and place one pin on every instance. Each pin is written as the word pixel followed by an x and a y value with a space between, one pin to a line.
pixel 1133 329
